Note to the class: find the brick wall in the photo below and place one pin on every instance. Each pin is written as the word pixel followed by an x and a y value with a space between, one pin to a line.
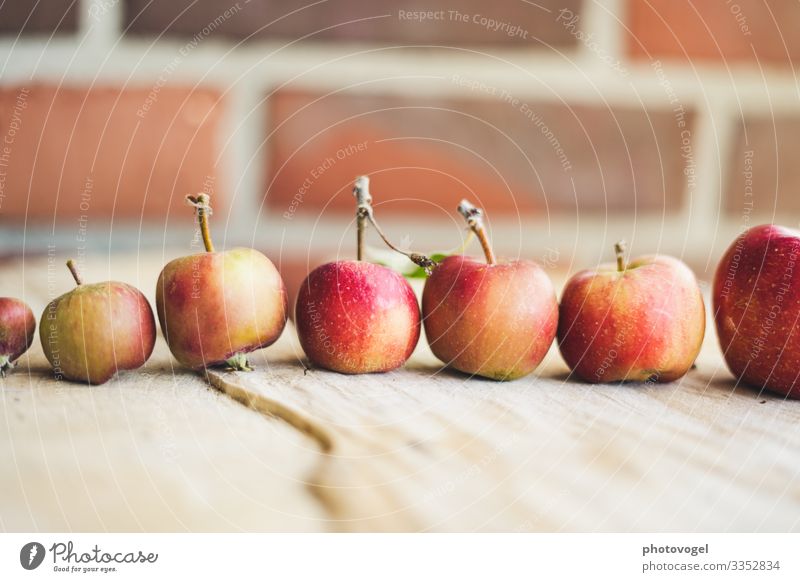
pixel 666 122
pixel 727 31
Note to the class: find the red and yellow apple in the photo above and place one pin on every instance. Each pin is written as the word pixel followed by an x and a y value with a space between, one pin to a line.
pixel 643 321
pixel 17 326
pixel 216 307
pixel 757 308
pixel 95 330
pixel 488 318
pixel 493 320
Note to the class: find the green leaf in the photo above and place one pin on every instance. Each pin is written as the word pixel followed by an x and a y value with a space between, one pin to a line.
pixel 419 272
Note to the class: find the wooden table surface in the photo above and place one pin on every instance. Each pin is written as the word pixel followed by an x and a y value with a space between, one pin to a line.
pixel 419 449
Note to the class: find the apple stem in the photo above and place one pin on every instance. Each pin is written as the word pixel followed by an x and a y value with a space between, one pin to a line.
pixel 619 250
pixel 202 202
pixel 73 268
pixel 364 213
pixel 363 210
pixel 474 218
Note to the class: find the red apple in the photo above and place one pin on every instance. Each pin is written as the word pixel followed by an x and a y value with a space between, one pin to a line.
pixel 493 320
pixel 215 307
pixel 490 319
pixel 356 317
pixel 757 308
pixel 640 321
pixel 91 332
pixel 17 325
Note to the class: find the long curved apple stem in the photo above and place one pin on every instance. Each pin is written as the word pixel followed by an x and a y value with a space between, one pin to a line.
pixel 365 213
pixel 619 250
pixel 73 268
pixel 202 202
pixel 474 218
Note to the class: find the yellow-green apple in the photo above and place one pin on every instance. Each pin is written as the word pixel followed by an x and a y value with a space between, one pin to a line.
pixel 216 307
pixel 489 318
pixel 641 321
pixel 17 325
pixel 757 308
pixel 91 332
pixel 357 317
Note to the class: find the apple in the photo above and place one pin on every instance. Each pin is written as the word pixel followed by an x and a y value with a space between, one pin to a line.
pixel 356 317
pixel 491 319
pixel 216 307
pixel 640 321
pixel 17 325
pixel 91 332
pixel 757 308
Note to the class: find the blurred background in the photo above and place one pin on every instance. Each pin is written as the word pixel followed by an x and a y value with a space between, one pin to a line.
pixel 669 123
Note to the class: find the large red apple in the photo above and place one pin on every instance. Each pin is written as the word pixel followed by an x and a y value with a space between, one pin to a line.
pixel 97 329
pixel 356 317
pixel 640 321
pixel 17 325
pixel 489 318
pixel 757 308
pixel 215 307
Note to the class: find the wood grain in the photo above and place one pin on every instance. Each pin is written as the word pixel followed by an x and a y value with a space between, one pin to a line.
pixel 424 449
pixel 419 449
pixel 429 449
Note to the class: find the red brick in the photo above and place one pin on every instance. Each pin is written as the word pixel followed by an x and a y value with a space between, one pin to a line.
pixel 356 20
pixel 44 16
pixel 764 177
pixel 132 163
pixel 433 151
pixel 740 30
